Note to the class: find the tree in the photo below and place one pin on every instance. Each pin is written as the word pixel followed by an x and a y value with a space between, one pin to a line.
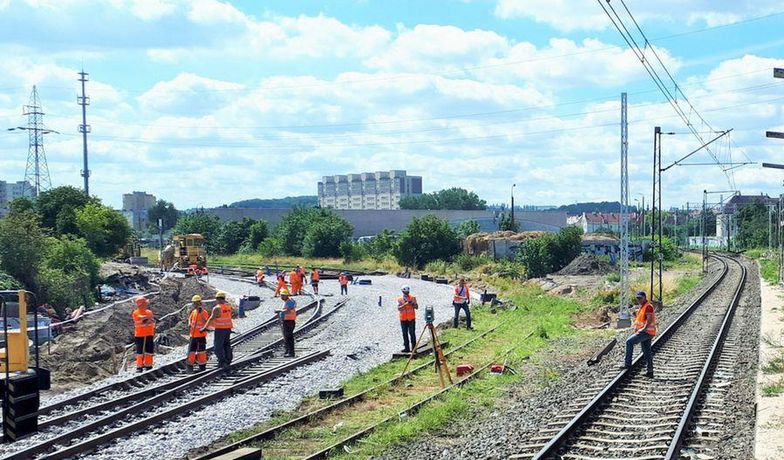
pixel 105 229
pixel 21 205
pixel 68 273
pixel 72 255
pixel 550 252
pixel 752 226
pixel 451 198
pixel 207 225
pixel 325 236
pixel 22 247
pixel 468 227
pixel 257 232
pixel 166 212
pixel 425 240
pixel 505 223
pixel 382 245
pixel 292 228
pixel 232 235
pixel 51 202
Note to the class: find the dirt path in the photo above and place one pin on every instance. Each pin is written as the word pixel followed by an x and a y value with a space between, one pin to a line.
pixel 770 409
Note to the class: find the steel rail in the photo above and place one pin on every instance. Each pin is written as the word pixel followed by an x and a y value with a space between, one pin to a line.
pixel 707 371
pixel 193 381
pixel 274 431
pixel 578 420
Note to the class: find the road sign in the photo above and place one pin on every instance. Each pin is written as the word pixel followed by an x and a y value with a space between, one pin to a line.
pixel 774 134
pixel 778 72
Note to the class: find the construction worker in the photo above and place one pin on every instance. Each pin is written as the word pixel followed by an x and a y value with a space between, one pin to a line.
pixel 197 349
pixel 281 277
pixel 644 332
pixel 296 282
pixel 222 323
pixel 343 280
pixel 462 301
pixel 315 276
pixel 143 334
pixel 260 277
pixel 288 318
pixel 406 307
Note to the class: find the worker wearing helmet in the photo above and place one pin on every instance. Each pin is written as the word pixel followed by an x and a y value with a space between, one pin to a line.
pixel 315 276
pixel 222 323
pixel 343 280
pixel 406 307
pixel 143 334
pixel 288 318
pixel 260 277
pixel 197 349
pixel 281 277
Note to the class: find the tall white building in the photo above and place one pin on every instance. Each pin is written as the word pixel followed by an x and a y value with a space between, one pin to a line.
pixel 135 206
pixel 378 190
pixel 10 191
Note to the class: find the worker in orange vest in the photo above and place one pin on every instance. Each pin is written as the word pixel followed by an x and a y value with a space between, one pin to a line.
pixel 343 280
pixel 281 277
pixel 462 301
pixel 315 276
pixel 406 307
pixel 288 318
pixel 197 349
pixel 644 332
pixel 222 323
pixel 143 334
pixel 260 277
pixel 296 282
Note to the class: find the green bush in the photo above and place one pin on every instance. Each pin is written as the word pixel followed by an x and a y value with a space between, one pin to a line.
pixel 22 247
pixel 382 245
pixel 425 240
pixel 550 252
pixel 313 232
pixel 64 289
pixel 510 269
pixel 271 247
pixel 9 283
pixel 105 229
pixel 71 255
pixel 352 252
pixel 466 263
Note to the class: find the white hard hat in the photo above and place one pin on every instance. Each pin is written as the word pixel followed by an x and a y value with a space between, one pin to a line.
pixel 405 288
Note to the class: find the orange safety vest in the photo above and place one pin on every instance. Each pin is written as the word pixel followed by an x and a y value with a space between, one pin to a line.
pixel 143 323
pixel 224 320
pixel 290 310
pixel 314 276
pixel 406 308
pixel 196 321
pixel 343 280
pixel 640 320
pixel 294 278
pixel 462 295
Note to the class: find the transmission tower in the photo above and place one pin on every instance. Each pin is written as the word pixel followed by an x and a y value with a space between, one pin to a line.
pixel 84 128
pixel 624 316
pixel 37 170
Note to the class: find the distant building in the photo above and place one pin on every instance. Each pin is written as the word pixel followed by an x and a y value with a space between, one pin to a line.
pixel 594 222
pixel 379 190
pixel 726 226
pixel 135 207
pixel 10 191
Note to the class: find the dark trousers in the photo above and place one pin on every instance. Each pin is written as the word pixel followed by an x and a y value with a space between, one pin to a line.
pixel 344 289
pixel 458 307
pixel 645 343
pixel 409 333
pixel 223 347
pixel 288 336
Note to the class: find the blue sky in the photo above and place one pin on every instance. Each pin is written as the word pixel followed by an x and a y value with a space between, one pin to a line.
pixel 206 102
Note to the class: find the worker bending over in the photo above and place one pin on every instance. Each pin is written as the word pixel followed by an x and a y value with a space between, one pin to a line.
pixel 644 332
pixel 143 334
pixel 462 301
pixel 221 321
pixel 281 277
pixel 406 307
pixel 315 276
pixel 260 277
pixel 197 348
pixel 288 318
pixel 343 280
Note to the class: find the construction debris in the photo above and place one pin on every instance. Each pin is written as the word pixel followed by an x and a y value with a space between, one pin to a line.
pixel 496 244
pixel 586 264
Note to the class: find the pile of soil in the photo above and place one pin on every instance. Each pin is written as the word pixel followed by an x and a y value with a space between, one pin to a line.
pixel 480 243
pixel 95 348
pixel 586 264
pixel 124 276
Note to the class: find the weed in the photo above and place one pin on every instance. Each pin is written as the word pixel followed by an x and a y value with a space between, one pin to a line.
pixel 775 366
pixel 773 389
pixel 614 277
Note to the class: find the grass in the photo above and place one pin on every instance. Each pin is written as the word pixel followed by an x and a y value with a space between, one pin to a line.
pixel 773 389
pixel 775 366
pixel 769 269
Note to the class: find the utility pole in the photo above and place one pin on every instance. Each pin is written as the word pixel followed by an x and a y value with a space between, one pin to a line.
pixel 514 224
pixel 624 315
pixel 656 253
pixel 84 128
pixel 36 171
pixel 703 228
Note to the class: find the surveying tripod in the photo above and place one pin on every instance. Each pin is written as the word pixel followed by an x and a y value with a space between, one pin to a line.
pixel 441 365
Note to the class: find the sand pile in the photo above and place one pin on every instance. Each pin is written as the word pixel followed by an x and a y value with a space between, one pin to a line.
pixel 96 347
pixel 586 264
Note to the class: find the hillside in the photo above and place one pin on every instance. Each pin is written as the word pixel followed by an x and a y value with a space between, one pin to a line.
pixel 288 202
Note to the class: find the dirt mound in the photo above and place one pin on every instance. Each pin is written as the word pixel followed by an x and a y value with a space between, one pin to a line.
pixel 586 264
pixel 96 347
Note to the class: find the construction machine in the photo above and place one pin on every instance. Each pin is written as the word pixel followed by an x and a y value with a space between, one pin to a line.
pixel 187 252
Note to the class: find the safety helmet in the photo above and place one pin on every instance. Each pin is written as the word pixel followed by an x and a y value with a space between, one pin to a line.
pixel 220 295
pixel 405 289
pixel 284 292
pixel 196 298
pixel 142 301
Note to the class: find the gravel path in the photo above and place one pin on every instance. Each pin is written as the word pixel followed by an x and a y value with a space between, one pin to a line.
pixel 369 333
pixel 529 405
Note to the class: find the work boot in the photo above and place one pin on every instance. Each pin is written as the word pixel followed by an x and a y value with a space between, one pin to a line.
pixel 189 368
pixel 405 350
pixel 649 375
pixel 139 370
pixel 202 367
pixel 148 368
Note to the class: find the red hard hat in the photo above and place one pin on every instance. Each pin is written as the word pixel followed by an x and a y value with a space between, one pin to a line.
pixel 142 302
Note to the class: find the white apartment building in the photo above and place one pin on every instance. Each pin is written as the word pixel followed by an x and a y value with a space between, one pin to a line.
pixel 135 206
pixel 10 191
pixel 378 190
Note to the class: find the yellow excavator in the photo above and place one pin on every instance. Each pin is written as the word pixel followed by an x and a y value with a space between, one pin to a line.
pixel 186 252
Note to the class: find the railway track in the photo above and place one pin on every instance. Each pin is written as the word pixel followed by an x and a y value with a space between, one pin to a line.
pixel 70 432
pixel 318 414
pixel 630 416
